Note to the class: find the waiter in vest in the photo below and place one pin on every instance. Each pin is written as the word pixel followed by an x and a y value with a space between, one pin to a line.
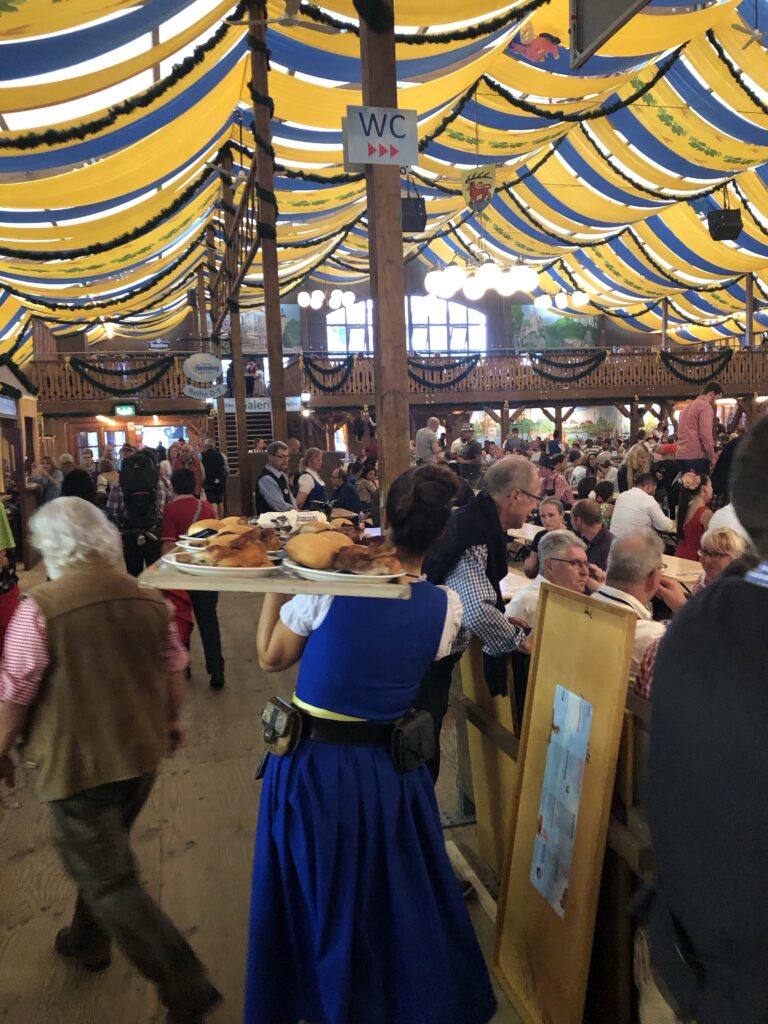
pixel 273 492
pixel 95 730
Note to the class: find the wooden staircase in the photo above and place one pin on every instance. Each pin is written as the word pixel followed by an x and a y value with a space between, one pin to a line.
pixel 259 425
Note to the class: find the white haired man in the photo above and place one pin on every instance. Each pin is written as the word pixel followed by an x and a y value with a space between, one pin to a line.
pixel 471 558
pixel 563 561
pixel 634 576
pixel 93 740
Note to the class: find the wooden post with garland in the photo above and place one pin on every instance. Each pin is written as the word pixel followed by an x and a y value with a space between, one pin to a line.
pixel 210 269
pixel 267 212
pixel 385 246
pixel 749 283
pixel 238 367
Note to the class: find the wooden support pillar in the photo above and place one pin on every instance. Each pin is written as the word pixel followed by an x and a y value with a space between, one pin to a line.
pixel 238 365
pixel 750 309
pixel 504 422
pixel 385 246
pixel 665 322
pixel 265 177
pixel 635 419
pixel 210 270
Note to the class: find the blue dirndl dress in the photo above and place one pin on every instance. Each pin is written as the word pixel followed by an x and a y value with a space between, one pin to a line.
pixel 356 915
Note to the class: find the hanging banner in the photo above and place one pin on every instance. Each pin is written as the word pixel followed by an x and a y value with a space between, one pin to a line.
pixel 292 404
pixel 478 186
pixel 203 394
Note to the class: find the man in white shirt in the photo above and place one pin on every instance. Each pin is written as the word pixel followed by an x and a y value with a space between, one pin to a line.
pixel 634 577
pixel 562 561
pixel 637 510
pixel 426 441
pixel 725 518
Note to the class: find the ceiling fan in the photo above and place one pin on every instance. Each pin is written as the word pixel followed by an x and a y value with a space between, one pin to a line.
pixel 290 20
pixel 754 35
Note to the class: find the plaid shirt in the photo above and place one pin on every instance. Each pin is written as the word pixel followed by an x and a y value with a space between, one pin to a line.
pixel 481 616
pixel 558 485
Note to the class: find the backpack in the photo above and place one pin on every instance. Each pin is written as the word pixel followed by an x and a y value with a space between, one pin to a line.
pixel 138 481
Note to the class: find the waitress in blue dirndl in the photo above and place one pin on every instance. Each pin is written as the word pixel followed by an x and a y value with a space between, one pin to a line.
pixel 356 915
pixel 310 486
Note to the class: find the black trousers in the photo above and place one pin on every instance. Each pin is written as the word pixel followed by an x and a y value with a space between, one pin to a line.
pixel 204 604
pixel 433 695
pixel 139 551
pixel 91 831
pixel 700 466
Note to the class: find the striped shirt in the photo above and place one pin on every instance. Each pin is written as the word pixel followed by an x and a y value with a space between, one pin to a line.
pixel 26 656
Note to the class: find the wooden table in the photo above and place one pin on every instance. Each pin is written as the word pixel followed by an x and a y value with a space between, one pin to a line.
pixel 681 569
pixel 163 576
pixel 524 533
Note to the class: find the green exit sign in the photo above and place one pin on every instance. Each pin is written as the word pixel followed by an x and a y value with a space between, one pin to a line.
pixel 124 410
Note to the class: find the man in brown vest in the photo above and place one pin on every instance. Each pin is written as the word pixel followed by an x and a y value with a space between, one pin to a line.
pixel 94 731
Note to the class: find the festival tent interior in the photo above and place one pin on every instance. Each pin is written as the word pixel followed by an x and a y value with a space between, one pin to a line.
pixel 115 116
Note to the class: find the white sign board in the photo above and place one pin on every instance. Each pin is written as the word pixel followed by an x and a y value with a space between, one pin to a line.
pixel 203 367
pixel 203 394
pixel 382 135
pixel 158 345
pixel 292 404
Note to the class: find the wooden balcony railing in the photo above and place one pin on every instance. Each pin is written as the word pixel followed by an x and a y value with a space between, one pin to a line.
pixel 58 381
pixel 625 374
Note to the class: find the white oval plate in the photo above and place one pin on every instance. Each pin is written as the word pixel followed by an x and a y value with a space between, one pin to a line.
pixel 186 545
pixel 325 575
pixel 234 572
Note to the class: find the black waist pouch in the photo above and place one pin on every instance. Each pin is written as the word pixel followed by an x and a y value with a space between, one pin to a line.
pixel 413 740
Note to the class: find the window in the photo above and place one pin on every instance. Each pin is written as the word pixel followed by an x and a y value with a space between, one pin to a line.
pixel 87 439
pixel 435 326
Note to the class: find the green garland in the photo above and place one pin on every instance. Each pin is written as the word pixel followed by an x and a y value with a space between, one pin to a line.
pixel 21 377
pixel 378 15
pixel 164 361
pixel 675 365
pixel 589 115
pixel 315 371
pixel 575 364
pixel 371 16
pixel 77 366
pixel 597 360
pixel 734 71
pixel 468 363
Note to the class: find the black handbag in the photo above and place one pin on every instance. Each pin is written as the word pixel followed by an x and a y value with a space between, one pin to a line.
pixel 413 740
pixel 282 723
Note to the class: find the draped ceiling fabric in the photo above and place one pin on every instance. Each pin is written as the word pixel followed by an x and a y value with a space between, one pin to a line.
pixel 114 111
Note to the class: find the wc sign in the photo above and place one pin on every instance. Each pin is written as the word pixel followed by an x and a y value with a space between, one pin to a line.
pixel 381 135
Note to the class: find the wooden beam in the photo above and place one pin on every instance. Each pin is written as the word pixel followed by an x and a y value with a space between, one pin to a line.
pixel 750 308
pixel 238 365
pixel 504 421
pixel 494 415
pixel 549 415
pixel 567 415
pixel 665 322
pixel 385 246
pixel 265 177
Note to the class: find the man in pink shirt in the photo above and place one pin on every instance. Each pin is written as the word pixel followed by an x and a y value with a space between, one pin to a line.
pixel 695 433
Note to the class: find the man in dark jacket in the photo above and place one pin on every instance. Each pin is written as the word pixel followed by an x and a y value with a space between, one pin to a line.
pixel 215 479
pixel 472 559
pixel 708 759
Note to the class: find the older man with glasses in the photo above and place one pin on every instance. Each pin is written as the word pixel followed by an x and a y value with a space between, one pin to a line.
pixel 563 561
pixel 273 492
pixel 472 559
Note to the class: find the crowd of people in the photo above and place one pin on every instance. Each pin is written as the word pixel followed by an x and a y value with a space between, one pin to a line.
pixel 355 911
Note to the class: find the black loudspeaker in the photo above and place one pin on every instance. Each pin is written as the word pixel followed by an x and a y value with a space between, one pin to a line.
pixel 414 214
pixel 724 225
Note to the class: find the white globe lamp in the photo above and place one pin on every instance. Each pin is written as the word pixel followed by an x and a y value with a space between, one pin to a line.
pixel 529 279
pixel 454 276
pixel 489 274
pixel 316 299
pixel 473 288
pixel 432 281
pixel 507 283
pixel 561 300
pixel 543 301
pixel 348 299
pixel 303 299
pixel 579 299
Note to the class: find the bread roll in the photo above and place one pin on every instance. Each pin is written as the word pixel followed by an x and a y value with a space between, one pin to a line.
pixel 315 528
pixel 316 550
pixel 204 524
pixel 235 521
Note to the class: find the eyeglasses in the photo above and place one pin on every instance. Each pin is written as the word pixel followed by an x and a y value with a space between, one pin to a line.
pixel 533 497
pixel 713 554
pixel 577 563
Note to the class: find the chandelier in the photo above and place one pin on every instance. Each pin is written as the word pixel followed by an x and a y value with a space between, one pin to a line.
pixel 318 298
pixel 475 279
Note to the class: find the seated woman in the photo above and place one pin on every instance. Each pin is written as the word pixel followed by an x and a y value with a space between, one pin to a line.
pixel 356 913
pixel 719 549
pixel 368 488
pixel 692 514
pixel 552 517
pixel 311 486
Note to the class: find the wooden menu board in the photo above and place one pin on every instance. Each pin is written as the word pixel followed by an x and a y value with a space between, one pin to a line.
pixel 568 753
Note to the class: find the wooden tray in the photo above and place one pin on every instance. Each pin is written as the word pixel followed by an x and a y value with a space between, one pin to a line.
pixel 162 576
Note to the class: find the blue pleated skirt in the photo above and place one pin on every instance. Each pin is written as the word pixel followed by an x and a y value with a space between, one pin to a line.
pixel 356 915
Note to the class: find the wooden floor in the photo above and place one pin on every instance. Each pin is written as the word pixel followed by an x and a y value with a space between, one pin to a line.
pixel 194 844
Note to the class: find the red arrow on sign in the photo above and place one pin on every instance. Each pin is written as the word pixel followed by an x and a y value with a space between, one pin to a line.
pixel 393 150
pixel 382 150
pixel 371 149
